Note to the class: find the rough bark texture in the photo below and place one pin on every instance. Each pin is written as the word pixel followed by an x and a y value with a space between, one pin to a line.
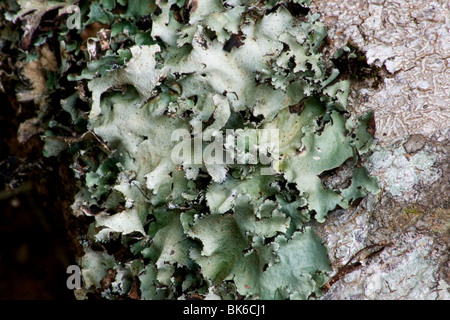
pixel 395 245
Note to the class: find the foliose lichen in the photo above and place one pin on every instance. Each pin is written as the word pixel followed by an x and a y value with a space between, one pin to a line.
pixel 141 70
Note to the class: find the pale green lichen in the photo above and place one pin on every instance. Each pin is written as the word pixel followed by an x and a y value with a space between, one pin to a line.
pixel 222 230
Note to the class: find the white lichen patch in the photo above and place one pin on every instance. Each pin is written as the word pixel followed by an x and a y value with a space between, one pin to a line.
pixel 399 172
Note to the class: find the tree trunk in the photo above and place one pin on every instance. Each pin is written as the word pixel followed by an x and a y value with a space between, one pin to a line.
pixel 395 245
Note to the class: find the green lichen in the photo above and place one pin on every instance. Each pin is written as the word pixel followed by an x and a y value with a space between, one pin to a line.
pixel 203 229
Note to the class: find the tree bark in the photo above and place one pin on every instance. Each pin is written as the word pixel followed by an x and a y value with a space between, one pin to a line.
pixel 395 245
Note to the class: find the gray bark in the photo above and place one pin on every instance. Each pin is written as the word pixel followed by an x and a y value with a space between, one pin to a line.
pixel 394 245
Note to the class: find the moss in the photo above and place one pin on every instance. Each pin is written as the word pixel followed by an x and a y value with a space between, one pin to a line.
pixel 412 210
